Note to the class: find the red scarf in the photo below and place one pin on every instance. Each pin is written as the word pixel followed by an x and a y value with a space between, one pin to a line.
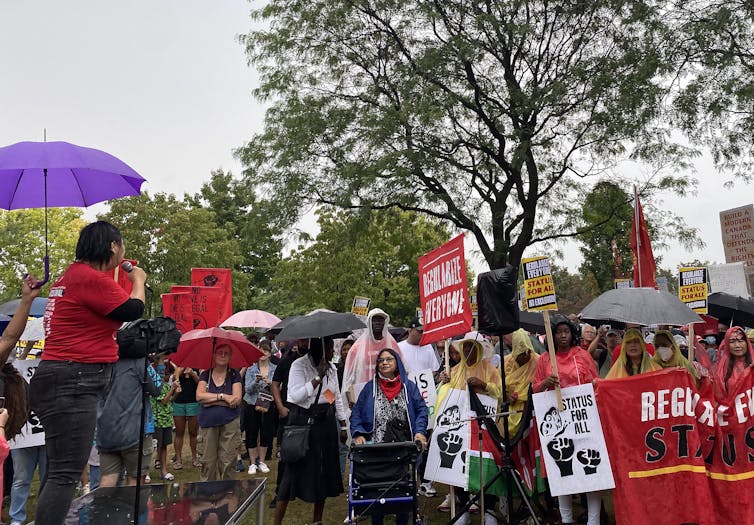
pixel 390 387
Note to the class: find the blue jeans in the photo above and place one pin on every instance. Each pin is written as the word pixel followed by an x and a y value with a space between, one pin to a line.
pixel 65 395
pixel 94 475
pixel 25 461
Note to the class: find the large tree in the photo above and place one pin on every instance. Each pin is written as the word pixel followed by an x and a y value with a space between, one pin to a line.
pixel 370 253
pixel 714 49
pixel 251 221
pixel 490 115
pixel 22 245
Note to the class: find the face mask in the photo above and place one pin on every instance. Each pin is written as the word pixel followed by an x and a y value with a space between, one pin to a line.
pixel 664 352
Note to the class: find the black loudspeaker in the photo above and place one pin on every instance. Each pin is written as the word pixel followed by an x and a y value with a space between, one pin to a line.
pixel 497 298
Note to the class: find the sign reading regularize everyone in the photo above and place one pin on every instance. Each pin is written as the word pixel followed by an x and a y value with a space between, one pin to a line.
pixel 444 293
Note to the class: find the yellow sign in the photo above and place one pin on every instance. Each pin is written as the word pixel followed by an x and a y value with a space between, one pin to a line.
pixel 360 305
pixel 539 287
pixel 693 288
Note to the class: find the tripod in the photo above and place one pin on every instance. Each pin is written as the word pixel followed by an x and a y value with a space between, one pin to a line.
pixel 507 469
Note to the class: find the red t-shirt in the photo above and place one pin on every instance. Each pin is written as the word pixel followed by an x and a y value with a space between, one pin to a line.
pixel 75 322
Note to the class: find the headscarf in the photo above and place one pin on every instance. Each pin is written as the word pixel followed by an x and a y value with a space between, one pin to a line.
pixel 619 368
pixel 722 387
pixel 518 378
pixel 359 367
pixel 390 387
pixel 481 369
pixel 677 359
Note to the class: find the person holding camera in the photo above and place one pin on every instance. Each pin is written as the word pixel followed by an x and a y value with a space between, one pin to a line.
pixel 84 310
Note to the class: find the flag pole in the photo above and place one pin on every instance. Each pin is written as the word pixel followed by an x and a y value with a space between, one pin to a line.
pixel 637 236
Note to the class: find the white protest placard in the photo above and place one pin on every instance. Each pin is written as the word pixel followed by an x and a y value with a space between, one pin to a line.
pixel 32 435
pixel 729 278
pixel 451 440
pixel 737 228
pixel 573 446
pixel 425 381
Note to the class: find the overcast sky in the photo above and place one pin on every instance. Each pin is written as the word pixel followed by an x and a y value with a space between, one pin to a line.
pixel 164 85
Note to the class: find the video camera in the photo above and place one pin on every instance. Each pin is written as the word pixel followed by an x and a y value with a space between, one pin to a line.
pixel 145 337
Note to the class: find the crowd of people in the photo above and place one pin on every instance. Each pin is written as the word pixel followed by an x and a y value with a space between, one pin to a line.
pixel 361 394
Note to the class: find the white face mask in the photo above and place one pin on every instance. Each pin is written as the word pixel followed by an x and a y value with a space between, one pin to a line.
pixel 664 352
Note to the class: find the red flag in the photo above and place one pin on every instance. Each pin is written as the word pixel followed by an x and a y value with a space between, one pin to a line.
pixel 644 260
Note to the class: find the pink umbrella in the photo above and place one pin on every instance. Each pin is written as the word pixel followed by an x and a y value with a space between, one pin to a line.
pixel 251 319
pixel 196 348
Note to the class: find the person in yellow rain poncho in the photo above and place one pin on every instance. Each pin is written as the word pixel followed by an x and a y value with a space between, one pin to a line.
pixel 519 372
pixel 483 377
pixel 668 354
pixel 633 358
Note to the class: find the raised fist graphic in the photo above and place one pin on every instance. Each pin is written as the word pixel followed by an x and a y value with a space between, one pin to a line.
pixel 450 444
pixel 590 459
pixel 561 450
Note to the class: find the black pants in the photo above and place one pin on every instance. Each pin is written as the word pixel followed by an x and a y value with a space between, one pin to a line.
pixel 258 425
pixel 64 395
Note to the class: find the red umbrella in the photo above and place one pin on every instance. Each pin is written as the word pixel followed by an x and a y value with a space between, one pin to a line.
pixel 197 347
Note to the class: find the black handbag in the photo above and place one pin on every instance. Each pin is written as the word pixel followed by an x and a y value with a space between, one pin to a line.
pixel 295 443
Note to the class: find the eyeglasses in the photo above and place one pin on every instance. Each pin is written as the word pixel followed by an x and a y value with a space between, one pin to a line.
pixel 385 360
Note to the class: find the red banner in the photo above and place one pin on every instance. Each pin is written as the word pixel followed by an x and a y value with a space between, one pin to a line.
pixel 177 306
pixel 731 472
pixel 206 306
pixel 655 426
pixel 444 293
pixel 221 278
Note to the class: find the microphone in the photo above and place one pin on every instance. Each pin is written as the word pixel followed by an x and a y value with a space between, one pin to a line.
pixel 126 266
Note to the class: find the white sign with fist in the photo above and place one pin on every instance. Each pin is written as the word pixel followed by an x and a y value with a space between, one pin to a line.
pixel 573 446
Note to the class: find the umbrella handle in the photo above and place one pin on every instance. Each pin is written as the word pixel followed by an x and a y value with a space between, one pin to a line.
pixel 41 283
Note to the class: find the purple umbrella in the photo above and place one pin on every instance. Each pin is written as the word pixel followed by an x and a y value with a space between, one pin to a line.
pixel 57 174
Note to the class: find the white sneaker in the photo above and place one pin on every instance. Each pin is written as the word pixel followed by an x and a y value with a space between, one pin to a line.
pixel 427 489
pixel 147 479
pixel 445 505
pixel 253 469
pixel 465 519
pixel 263 468
pixel 84 490
pixel 490 519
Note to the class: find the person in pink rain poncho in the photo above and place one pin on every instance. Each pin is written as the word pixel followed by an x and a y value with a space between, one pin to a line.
pixel 359 368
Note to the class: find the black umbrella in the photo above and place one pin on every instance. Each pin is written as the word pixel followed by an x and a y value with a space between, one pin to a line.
pixel 282 324
pixel 38 306
pixel 642 306
pixel 320 324
pixel 533 322
pixel 731 309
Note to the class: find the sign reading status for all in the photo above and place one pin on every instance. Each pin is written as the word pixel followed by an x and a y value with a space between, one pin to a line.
pixel 693 289
pixel 538 285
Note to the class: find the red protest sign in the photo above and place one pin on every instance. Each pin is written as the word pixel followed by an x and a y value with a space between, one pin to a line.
pixel 221 278
pixel 177 306
pixel 444 293
pixel 206 306
pixel 656 427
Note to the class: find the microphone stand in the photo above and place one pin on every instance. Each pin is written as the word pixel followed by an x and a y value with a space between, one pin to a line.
pixel 144 400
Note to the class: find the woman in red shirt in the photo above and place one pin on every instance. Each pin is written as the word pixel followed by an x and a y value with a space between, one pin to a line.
pixel 575 367
pixel 84 310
